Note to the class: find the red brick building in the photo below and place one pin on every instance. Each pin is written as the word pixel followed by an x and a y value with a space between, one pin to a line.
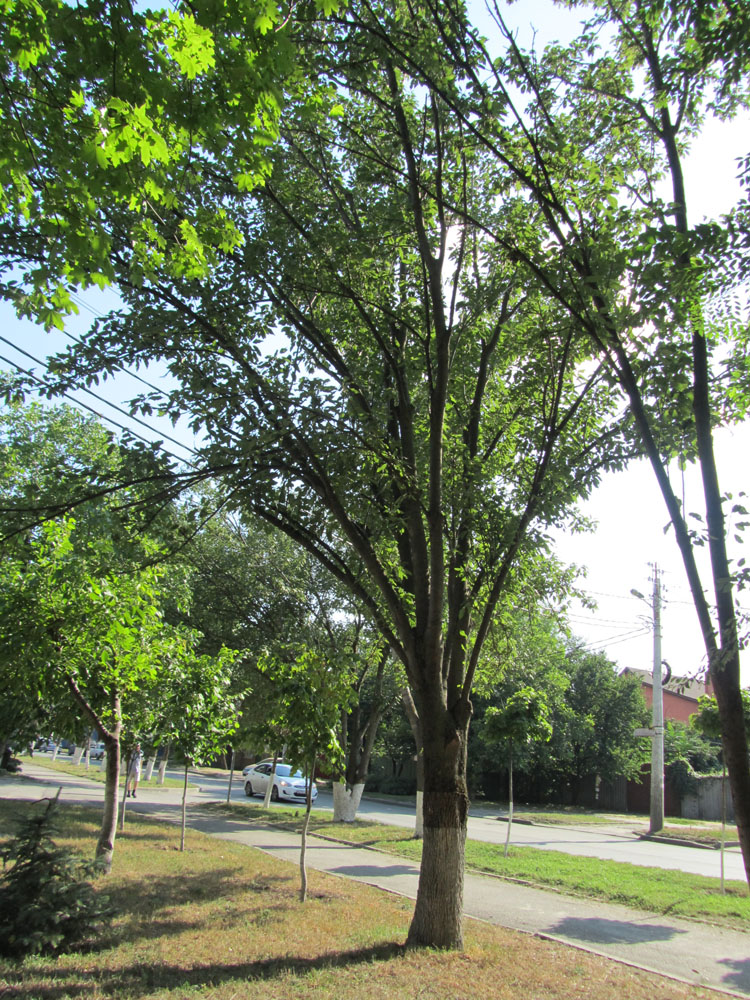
pixel 680 694
pixel 680 698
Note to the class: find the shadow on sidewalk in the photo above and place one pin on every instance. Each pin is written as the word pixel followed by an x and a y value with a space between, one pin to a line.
pixel 600 930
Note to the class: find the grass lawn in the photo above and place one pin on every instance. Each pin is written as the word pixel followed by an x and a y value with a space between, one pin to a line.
pixel 94 772
pixel 223 922
pixel 565 815
pixel 661 891
pixel 699 831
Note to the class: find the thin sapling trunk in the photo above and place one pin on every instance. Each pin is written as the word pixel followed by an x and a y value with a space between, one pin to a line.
pixel 184 808
pixel 305 825
pixel 510 795
pixel 231 775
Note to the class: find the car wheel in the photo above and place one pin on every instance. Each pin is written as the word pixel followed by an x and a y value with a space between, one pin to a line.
pixel 275 794
pixel 249 789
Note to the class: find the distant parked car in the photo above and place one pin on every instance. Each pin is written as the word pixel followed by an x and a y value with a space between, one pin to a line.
pixel 288 785
pixel 251 767
pixel 97 751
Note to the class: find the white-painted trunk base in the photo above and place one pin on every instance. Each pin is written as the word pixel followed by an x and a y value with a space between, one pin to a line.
pixel 439 906
pixel 78 755
pixel 419 819
pixel 346 801
pixel 150 763
pixel 162 771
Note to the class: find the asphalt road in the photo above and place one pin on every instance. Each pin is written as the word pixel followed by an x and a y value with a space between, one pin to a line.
pixel 614 843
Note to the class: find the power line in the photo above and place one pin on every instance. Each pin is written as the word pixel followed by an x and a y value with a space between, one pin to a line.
pixel 101 416
pixel 601 622
pixel 101 399
pixel 601 593
pixel 617 639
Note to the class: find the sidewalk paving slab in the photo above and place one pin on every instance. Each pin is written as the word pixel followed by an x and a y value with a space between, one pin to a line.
pixel 690 951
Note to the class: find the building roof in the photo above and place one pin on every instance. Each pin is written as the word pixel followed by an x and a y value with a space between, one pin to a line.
pixel 684 687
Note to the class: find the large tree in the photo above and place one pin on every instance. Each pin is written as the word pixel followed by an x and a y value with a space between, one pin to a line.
pixel 432 407
pixel 593 133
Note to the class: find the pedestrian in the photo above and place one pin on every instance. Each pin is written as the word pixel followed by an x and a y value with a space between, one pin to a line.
pixel 134 771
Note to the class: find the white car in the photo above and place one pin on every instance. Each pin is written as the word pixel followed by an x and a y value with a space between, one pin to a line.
pixel 288 785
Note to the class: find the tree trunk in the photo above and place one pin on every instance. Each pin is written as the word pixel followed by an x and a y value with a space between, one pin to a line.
pixel 124 799
pixel 413 717
pixel 734 746
pixel 111 736
pixel 305 825
pixel 269 786
pixel 357 743
pixel 163 765
pixel 106 844
pixel 231 775
pixel 184 808
pixel 346 801
pixel 437 920
pixel 510 796
pixel 149 770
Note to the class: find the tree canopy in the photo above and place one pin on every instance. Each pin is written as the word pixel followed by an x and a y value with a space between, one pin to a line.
pixel 410 348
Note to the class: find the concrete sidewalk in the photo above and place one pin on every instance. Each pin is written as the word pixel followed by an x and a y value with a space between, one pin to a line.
pixel 694 952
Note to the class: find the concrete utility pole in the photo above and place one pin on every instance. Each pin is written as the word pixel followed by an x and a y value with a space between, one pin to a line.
pixel 657 741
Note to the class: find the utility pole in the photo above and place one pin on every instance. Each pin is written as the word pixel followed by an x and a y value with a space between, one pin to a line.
pixel 657 740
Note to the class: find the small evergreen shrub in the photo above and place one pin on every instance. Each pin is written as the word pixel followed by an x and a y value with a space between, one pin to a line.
pixel 47 902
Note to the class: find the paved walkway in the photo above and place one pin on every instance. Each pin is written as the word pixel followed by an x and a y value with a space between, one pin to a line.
pixel 696 953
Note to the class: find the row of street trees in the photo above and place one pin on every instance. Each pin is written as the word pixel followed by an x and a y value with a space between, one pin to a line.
pixel 417 304
pixel 84 643
pixel 166 630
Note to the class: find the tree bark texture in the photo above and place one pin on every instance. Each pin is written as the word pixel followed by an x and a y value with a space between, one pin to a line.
pixel 438 913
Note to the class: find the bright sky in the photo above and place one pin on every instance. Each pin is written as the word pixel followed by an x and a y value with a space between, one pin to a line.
pixel 627 506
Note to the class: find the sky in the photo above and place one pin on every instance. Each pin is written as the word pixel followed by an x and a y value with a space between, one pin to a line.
pixel 620 554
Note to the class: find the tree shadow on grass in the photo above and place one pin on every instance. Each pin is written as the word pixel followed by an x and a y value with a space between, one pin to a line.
pixel 145 903
pixel 174 890
pixel 135 981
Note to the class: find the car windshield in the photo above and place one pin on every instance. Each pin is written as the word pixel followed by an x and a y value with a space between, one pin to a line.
pixel 285 771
